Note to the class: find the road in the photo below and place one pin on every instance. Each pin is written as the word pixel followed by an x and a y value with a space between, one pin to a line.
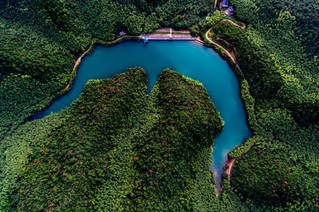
pixel 231 56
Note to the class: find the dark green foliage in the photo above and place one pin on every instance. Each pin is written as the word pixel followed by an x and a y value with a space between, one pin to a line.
pixel 20 97
pixel 275 179
pixel 40 40
pixel 172 157
pixel 15 150
pixel 304 11
pixel 274 61
pixel 76 161
pixel 117 149
pixel 258 69
pixel 284 152
pixel 26 52
pixel 277 169
pixel 73 23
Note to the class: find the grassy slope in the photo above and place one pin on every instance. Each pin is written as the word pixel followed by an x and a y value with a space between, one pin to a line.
pixel 116 149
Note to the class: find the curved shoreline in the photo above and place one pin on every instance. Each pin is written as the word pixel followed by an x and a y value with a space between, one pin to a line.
pixel 78 61
pixel 230 55
pixel 229 167
pixel 107 43
pixel 76 65
pixel 91 47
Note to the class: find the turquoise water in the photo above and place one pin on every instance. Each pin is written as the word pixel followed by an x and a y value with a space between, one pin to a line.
pixel 188 58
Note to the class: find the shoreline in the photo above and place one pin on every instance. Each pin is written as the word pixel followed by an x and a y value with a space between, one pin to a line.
pixel 229 167
pixel 198 40
pixel 127 37
pixel 217 45
pixel 218 189
pixel 232 61
pixel 91 48
pixel 76 65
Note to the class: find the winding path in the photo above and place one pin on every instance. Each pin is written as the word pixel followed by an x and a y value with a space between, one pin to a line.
pixel 231 56
pixel 78 61
pixel 76 64
pixel 230 165
pixel 121 38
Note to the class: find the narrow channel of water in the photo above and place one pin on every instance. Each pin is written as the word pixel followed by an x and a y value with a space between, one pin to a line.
pixel 188 58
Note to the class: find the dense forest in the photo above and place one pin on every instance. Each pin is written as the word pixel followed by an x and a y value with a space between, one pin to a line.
pixel 43 167
pixel 116 149
pixel 277 169
pixel 41 39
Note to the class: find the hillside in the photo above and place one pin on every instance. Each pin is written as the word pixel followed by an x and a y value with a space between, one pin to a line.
pixel 277 169
pixel 116 149
pixel 43 38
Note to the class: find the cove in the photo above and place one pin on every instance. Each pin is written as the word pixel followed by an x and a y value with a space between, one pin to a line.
pixel 188 58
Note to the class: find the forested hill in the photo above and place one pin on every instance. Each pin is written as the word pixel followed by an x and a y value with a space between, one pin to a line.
pixel 304 14
pixel 283 39
pixel 72 24
pixel 278 168
pixel 116 149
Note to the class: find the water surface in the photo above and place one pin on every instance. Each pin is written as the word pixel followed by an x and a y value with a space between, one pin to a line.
pixel 188 58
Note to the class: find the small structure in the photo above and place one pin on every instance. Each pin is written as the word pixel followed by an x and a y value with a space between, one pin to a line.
pixel 225 3
pixel 122 33
pixel 145 40
pixel 230 11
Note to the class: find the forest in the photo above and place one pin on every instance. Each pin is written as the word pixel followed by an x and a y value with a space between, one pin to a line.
pixel 278 168
pixel 145 155
pixel 275 170
pixel 42 39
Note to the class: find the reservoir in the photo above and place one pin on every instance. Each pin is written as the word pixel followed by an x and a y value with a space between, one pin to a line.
pixel 188 58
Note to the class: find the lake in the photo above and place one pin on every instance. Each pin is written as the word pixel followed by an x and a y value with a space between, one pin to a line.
pixel 188 58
